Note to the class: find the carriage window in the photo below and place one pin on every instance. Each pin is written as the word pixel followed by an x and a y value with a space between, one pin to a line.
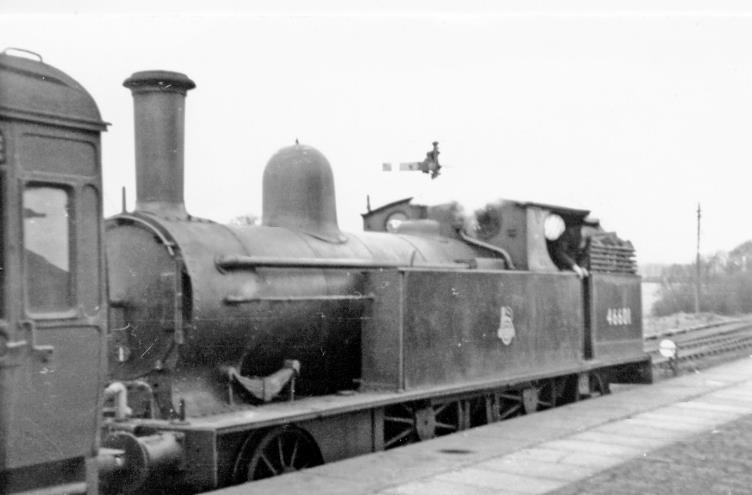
pixel 47 248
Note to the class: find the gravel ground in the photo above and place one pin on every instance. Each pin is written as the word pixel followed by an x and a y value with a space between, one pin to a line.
pixel 718 462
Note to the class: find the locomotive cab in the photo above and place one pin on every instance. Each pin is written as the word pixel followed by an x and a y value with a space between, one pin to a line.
pixel 52 293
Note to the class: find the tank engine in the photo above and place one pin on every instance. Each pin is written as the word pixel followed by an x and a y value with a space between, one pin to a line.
pixel 211 321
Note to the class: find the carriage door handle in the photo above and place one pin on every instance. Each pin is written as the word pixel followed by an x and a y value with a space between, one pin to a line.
pixel 43 352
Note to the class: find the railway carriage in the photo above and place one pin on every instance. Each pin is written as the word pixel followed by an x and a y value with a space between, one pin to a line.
pixel 53 306
pixel 238 353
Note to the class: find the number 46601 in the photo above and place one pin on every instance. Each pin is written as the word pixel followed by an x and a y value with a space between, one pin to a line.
pixel 619 316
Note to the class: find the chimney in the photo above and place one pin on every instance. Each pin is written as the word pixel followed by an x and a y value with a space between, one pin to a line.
pixel 159 108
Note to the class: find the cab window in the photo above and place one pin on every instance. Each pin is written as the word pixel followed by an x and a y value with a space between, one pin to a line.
pixel 46 236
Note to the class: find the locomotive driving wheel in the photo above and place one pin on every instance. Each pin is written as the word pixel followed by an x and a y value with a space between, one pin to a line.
pixel 412 422
pixel 548 392
pixel 540 395
pixel 509 404
pixel 277 451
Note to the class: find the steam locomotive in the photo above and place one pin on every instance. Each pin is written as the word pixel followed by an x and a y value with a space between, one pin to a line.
pixel 160 352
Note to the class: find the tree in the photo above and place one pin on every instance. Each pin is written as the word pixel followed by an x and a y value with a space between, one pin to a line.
pixel 726 281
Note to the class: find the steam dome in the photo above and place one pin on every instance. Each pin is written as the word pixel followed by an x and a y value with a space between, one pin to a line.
pixel 298 193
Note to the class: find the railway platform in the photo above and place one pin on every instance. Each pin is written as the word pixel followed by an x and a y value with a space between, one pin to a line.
pixel 690 434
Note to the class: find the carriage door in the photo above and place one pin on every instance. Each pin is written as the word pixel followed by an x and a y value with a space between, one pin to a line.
pixel 62 315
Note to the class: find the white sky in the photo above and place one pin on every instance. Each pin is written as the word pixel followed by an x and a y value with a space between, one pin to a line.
pixel 635 113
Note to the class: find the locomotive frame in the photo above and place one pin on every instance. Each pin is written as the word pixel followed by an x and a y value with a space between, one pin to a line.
pixel 234 447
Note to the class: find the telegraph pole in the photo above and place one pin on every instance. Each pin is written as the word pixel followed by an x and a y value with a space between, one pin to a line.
pixel 697 262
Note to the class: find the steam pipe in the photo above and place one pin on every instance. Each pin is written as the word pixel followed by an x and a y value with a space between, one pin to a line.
pixel 119 391
pixel 496 249
pixel 159 110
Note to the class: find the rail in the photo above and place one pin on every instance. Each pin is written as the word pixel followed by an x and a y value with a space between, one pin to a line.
pixel 703 341
pixel 679 331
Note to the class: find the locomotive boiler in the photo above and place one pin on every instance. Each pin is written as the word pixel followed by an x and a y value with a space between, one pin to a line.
pixel 201 309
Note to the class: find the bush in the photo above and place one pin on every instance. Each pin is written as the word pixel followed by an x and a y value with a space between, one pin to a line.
pixel 721 293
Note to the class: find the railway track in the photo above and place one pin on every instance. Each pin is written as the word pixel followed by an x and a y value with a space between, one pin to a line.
pixel 701 346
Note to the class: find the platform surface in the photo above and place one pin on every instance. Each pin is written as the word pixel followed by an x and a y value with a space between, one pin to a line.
pixel 691 434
